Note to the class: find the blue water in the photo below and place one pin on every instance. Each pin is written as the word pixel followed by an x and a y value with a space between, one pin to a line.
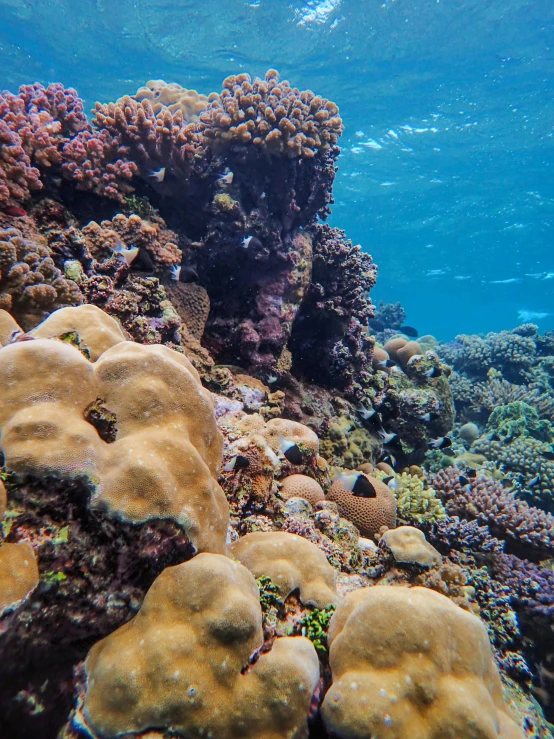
pixel 446 171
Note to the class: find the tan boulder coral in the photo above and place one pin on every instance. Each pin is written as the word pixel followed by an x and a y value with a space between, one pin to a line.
pixel 368 514
pixel 292 563
pixel 296 442
pixel 97 331
pixel 402 668
pixel 161 94
pixel 302 486
pixel 182 664
pixel 408 545
pixel 18 573
pixel 163 459
pixel 8 327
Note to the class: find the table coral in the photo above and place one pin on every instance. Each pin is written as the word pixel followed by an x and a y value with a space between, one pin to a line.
pixel 292 563
pixel 400 667
pixel 31 286
pixel 143 678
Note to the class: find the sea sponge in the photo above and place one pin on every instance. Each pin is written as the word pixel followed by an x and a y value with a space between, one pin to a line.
pixel 402 668
pixel 409 546
pixel 167 450
pixel 367 514
pixel 292 563
pixel 271 115
pixel 31 286
pixel 96 331
pixel 181 665
pixel 302 486
pixel 170 95
pixel 18 573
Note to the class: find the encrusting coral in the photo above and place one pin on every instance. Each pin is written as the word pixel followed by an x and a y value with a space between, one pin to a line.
pixel 401 668
pixel 186 663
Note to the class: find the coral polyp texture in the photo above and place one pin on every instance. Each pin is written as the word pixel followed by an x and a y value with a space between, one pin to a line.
pixel 182 664
pixel 164 458
pixel 170 95
pixel 402 668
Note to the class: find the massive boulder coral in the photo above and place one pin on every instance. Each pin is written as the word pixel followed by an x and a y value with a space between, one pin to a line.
pixel 182 664
pixel 31 286
pixel 401 668
pixel 292 563
pixel 167 449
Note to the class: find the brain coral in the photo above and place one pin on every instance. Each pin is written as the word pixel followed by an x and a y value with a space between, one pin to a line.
pixel 402 668
pixel 272 115
pixel 31 286
pixel 302 486
pixel 181 665
pixel 291 562
pixel 367 514
pixel 167 449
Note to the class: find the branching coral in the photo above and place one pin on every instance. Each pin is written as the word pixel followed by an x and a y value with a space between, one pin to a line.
pixel 31 286
pixel 416 502
pixel 161 94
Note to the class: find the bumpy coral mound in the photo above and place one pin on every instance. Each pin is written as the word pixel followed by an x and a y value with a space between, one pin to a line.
pixel 172 96
pixel 95 332
pixel 31 286
pixel 178 664
pixel 402 668
pixel 159 243
pixel 167 449
pixel 292 563
pixel 409 546
pixel 416 501
pixel 278 429
pixel 272 115
pixel 302 486
pixel 191 303
pixel 9 327
pixel 367 514
pixel 18 573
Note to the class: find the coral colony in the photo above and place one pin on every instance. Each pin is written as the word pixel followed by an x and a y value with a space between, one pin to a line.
pixel 235 499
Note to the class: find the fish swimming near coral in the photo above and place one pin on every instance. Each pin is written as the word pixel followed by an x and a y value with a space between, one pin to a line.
pixel 291 451
pixel 433 372
pixel 14 210
pixel 409 331
pixel 386 437
pixel 157 174
pixel 251 241
pixel 225 179
pixel 128 255
pixel 240 462
pixel 386 364
pixel 441 443
pixel 428 417
pixel 181 273
pixel 376 325
pixel 356 483
pixel 366 413
pixel 391 482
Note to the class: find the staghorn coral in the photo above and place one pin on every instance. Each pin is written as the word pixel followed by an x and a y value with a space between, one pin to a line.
pixel 329 342
pixel 31 286
pixel 291 562
pixel 161 94
pixel 490 504
pixel 272 116
pixel 140 681
pixel 367 514
pixel 164 460
pixel 400 662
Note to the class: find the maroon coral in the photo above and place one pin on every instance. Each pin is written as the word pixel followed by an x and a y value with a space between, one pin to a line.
pixel 490 504
pixel 271 115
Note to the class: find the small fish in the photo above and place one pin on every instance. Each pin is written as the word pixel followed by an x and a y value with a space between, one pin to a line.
pixel 291 451
pixel 386 364
pixel 15 211
pixel 366 413
pixel 508 439
pixel 472 474
pixel 376 324
pixel 239 462
pixel 251 241
pixel 181 273
pixel 548 454
pixel 449 452
pixel 175 272
pixel 409 331
pixel 386 437
pixel 225 179
pixel 157 174
pixel 535 481
pixel 357 484
pixel 441 443
pixel 272 379
pixel 427 417
pixel 433 372
pixel 391 482
pixel 493 437
pixel 462 479
pixel 124 253
pixel 388 459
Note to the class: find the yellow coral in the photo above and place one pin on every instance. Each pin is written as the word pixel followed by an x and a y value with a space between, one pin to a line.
pixel 407 662
pixel 176 667
pixel 415 502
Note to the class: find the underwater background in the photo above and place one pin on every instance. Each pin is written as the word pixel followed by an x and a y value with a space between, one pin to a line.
pixel 445 175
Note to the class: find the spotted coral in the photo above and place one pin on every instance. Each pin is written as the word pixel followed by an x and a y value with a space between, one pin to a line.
pixel 367 514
